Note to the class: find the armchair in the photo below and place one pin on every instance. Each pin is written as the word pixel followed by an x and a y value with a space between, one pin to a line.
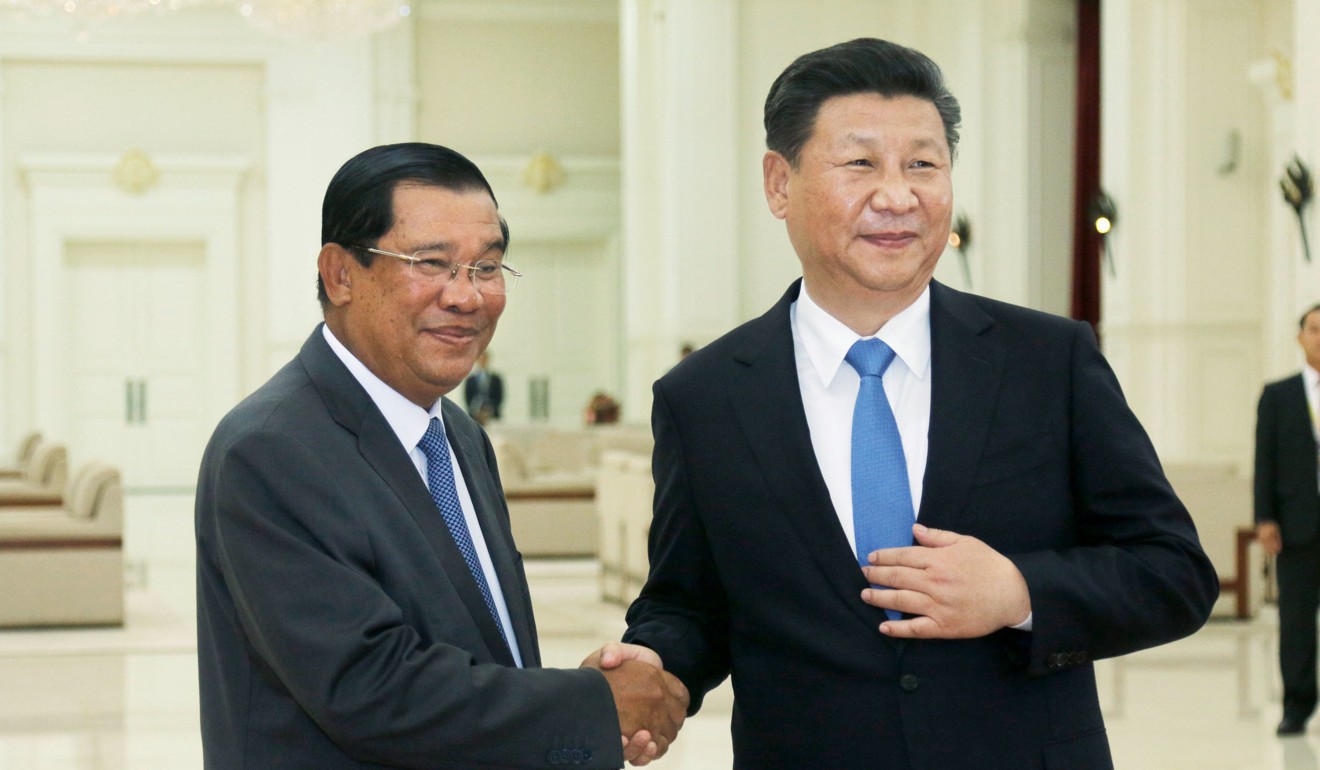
pixel 43 479
pixel 64 565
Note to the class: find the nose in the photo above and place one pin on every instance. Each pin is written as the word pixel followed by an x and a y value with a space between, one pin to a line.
pixel 893 193
pixel 460 293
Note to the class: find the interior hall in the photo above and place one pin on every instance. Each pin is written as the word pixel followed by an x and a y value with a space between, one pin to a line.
pixel 162 167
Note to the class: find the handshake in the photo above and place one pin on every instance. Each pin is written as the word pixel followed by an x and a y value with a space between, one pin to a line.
pixel 651 702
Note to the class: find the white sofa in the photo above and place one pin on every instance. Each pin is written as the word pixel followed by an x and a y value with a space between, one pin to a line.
pixel 63 565
pixel 549 478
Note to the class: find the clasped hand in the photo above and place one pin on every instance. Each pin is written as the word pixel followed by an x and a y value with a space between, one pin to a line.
pixel 956 586
pixel 651 702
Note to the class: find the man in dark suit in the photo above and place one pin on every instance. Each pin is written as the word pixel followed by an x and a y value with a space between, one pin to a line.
pixel 361 602
pixel 483 391
pixel 1288 517
pixel 1046 535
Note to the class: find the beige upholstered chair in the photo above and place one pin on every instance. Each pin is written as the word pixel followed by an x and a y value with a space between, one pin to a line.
pixel 552 513
pixel 42 481
pixel 64 565
pixel 549 477
pixel 25 448
pixel 1219 500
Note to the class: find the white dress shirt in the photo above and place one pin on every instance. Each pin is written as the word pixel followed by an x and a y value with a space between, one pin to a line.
pixel 410 422
pixel 1312 380
pixel 829 390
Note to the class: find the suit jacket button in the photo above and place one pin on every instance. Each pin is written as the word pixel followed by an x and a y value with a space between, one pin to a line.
pixel 1053 660
pixel 555 757
pixel 909 682
pixel 575 756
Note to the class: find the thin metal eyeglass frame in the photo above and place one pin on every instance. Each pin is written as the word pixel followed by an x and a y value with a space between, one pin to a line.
pixel 453 269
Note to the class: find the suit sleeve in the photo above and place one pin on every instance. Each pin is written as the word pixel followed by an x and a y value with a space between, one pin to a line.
pixel 301 567
pixel 1267 460
pixel 1135 575
pixel 682 611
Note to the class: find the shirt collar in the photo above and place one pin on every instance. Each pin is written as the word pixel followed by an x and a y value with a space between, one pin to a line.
pixel 827 340
pixel 408 420
pixel 1311 377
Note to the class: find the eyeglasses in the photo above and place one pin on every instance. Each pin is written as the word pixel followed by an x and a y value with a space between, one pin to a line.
pixel 489 276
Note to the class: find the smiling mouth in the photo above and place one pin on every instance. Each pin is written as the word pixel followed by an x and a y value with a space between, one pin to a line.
pixel 455 334
pixel 890 239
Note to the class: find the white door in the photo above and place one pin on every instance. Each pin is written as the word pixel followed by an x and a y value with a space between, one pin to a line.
pixel 137 379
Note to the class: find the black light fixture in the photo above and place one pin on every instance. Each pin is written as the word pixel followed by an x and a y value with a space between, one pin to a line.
pixel 960 238
pixel 1102 214
pixel 1298 191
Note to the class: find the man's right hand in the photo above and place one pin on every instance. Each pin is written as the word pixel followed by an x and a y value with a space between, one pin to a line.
pixel 649 699
pixel 1267 533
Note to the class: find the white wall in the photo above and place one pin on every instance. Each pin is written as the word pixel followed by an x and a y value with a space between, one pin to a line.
pixel 1204 301
pixel 659 233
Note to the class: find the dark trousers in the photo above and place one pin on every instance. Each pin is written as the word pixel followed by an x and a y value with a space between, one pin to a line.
pixel 1298 570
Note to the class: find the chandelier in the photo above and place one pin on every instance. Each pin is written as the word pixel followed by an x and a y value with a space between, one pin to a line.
pixel 322 20
pixel 311 20
pixel 89 10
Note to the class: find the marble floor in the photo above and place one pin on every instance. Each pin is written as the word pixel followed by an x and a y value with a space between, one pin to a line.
pixel 115 699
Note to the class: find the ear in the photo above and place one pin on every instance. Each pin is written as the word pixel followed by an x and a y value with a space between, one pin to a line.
pixel 337 266
pixel 775 168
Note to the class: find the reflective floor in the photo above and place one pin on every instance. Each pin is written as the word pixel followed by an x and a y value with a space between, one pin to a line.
pixel 127 698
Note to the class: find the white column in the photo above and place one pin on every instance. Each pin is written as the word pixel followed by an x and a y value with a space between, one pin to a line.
pixel 395 112
pixel 320 113
pixel 680 259
pixel 1306 145
pixel 1005 224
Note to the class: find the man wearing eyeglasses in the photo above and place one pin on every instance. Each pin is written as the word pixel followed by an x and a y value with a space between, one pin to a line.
pixel 361 602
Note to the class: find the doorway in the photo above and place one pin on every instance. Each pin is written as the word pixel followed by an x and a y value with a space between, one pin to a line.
pixel 136 370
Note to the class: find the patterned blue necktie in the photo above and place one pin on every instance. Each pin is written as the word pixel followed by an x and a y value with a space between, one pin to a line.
pixel 440 480
pixel 882 501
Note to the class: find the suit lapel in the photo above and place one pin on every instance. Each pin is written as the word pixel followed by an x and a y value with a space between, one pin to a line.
pixel 352 408
pixel 768 404
pixel 469 449
pixel 966 369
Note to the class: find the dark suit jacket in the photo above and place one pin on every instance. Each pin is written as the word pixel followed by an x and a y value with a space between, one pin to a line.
pixel 1032 449
pixel 1285 482
pixel 493 397
pixel 338 625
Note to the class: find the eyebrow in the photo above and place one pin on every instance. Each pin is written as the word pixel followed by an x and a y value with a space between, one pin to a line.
pixel 870 140
pixel 495 244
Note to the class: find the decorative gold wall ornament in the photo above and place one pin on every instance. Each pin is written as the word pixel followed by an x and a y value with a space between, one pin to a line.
pixel 1283 74
pixel 136 172
pixel 543 173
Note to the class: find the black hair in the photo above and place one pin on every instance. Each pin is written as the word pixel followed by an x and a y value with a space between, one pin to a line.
pixel 1301 322
pixel 864 65
pixel 359 202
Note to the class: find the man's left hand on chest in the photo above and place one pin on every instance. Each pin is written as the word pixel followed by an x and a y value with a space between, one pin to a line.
pixel 955 587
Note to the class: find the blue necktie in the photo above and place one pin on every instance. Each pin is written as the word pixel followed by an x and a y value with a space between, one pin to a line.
pixel 440 480
pixel 882 501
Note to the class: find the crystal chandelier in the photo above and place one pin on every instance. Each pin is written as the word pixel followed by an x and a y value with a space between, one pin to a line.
pixel 322 20
pixel 89 10
pixel 311 20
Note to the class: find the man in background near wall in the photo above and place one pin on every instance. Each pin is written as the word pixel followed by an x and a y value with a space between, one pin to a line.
pixel 361 602
pixel 799 456
pixel 1288 518
pixel 483 391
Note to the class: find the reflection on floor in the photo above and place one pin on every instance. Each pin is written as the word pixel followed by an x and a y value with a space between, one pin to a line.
pixel 127 698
